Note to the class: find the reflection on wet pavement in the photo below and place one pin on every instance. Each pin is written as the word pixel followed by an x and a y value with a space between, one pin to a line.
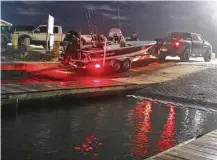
pixel 118 128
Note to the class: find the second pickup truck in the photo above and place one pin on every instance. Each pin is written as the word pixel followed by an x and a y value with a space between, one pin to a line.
pixel 38 35
pixel 184 45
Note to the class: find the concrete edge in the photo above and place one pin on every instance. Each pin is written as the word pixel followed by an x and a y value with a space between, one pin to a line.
pixel 87 92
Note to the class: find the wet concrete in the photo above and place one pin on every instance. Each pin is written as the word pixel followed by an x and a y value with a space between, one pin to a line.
pixel 110 128
pixel 199 88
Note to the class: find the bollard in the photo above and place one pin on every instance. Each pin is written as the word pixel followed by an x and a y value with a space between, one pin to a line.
pixel 26 43
pixel 15 40
pixel 56 48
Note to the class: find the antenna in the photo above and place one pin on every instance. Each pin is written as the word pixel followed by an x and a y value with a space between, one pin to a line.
pixel 88 21
pixel 118 17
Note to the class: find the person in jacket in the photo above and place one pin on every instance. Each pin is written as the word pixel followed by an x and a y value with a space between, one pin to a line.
pixel 134 37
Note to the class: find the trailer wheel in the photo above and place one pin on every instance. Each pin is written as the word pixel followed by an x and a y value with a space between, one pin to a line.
pixel 126 65
pixel 208 56
pixel 117 66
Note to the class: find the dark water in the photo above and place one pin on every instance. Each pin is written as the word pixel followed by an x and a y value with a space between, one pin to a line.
pixel 118 128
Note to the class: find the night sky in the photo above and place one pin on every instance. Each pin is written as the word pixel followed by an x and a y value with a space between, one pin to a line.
pixel 149 19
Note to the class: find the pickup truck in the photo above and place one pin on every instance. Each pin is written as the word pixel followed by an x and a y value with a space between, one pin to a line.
pixel 184 45
pixel 38 35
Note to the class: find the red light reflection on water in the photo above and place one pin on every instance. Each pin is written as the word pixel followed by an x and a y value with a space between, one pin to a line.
pixel 166 140
pixel 143 127
pixel 89 146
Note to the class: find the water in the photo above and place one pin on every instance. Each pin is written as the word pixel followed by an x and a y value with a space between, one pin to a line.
pixel 116 128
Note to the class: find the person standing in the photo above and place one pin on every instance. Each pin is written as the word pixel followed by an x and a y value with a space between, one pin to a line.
pixel 134 37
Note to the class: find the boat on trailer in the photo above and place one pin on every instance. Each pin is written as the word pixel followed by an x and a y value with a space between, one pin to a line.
pixel 112 52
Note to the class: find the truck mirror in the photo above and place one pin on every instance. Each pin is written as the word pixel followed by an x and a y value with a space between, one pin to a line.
pixel 37 30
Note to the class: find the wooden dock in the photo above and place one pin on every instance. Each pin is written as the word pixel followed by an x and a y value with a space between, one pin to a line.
pixel 203 148
pixel 41 90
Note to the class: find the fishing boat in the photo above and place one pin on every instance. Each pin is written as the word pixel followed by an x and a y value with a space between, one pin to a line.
pixel 112 51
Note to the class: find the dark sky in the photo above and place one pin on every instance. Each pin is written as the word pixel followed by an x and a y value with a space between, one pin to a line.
pixel 149 19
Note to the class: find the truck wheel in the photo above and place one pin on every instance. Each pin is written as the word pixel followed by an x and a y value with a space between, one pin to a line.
pixel 117 66
pixel 208 56
pixel 126 65
pixel 185 55
pixel 4 42
pixel 22 39
pixel 161 56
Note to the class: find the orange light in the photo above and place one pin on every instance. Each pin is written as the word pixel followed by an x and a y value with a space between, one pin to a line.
pixel 97 66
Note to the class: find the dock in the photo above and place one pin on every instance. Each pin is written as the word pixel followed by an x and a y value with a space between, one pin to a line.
pixel 42 90
pixel 202 148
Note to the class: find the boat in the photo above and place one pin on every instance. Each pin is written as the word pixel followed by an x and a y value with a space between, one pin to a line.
pixel 112 51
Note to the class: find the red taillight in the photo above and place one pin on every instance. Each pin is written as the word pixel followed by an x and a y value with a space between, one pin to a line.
pixel 177 44
pixel 97 66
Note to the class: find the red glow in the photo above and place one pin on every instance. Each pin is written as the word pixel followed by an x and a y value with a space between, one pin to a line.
pixel 90 144
pixel 177 44
pixel 97 66
pixel 143 127
pixel 166 140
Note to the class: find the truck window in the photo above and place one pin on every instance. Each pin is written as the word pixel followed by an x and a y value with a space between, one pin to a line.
pixel 23 28
pixel 194 37
pixel 200 39
pixel 43 29
pixel 55 30
pixel 179 35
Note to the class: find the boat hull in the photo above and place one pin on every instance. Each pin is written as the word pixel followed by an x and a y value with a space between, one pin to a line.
pixel 92 56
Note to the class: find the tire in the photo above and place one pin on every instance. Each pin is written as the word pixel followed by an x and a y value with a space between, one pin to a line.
pixel 126 65
pixel 117 66
pixel 4 41
pixel 161 56
pixel 22 39
pixel 208 56
pixel 185 55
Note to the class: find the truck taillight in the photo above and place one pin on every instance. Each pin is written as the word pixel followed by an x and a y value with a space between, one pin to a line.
pixel 177 44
